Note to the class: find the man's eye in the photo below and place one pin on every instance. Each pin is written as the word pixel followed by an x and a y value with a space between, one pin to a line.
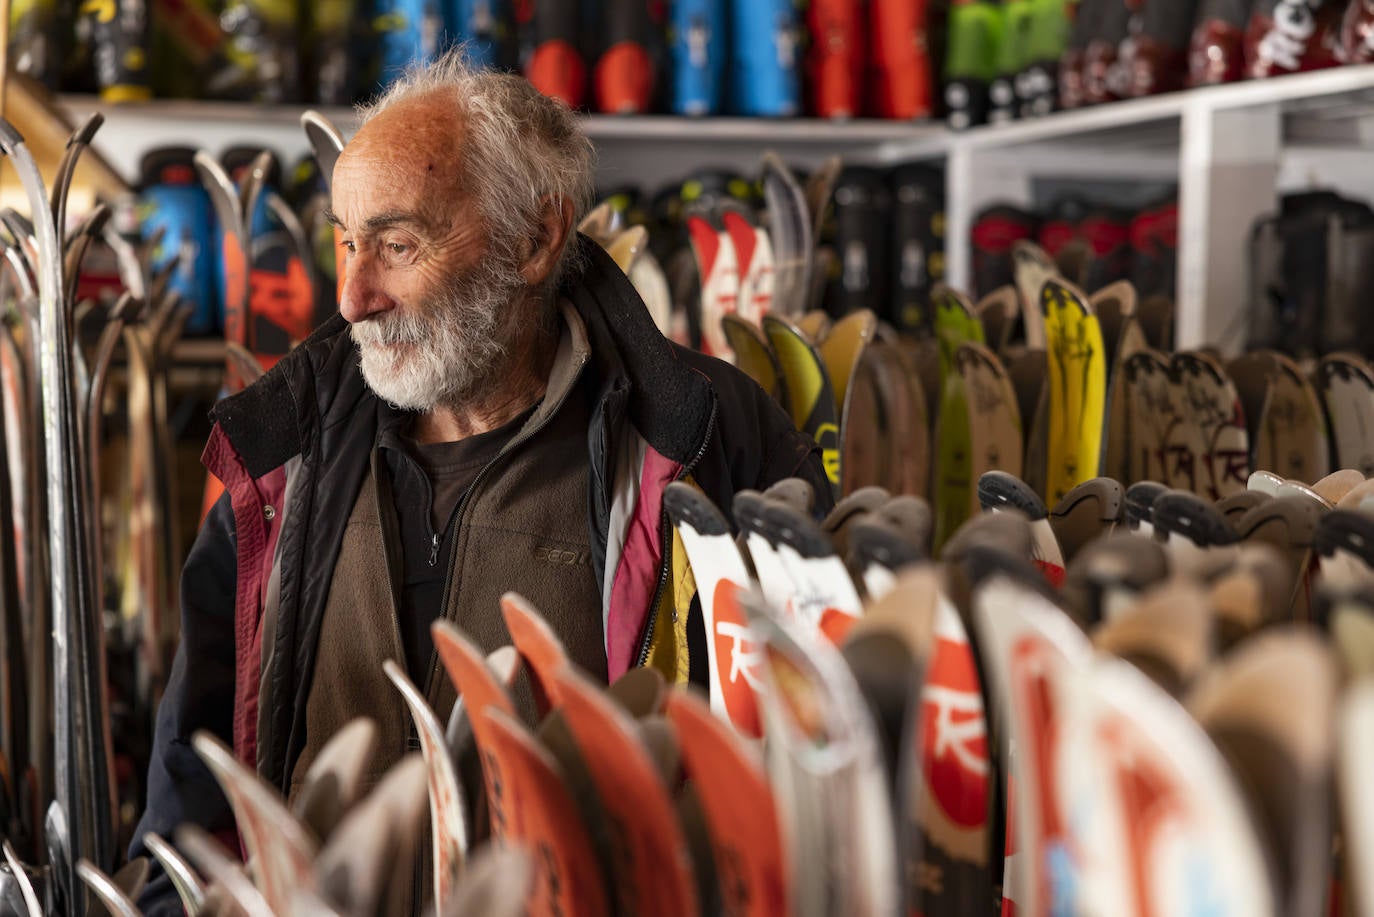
pixel 349 246
pixel 397 248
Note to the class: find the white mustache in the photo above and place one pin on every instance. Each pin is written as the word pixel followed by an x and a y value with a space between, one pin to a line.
pixel 389 330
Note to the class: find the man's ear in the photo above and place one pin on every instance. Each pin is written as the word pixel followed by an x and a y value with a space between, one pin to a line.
pixel 551 235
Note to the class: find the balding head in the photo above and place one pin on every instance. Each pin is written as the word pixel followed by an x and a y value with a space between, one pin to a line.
pixel 515 153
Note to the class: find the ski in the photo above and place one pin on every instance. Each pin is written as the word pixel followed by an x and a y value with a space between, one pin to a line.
pixel 82 769
pixel 650 863
pixel 1166 634
pixel 1161 823
pixel 188 885
pixel 1209 444
pixel 994 420
pixel 953 482
pixel 228 880
pixel 1077 389
pixel 538 811
pixel 825 763
pixel 1346 385
pixel 790 229
pixel 1273 701
pixel 280 851
pixel 1090 511
pixel 368 864
pixel 809 389
pixel 447 808
pixel 1030 648
pixel 754 874
pixel 719 570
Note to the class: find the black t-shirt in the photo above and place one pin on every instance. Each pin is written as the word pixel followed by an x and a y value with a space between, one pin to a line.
pixel 428 483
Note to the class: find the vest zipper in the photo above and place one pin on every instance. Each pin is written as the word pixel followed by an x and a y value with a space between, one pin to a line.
pixel 455 522
pixel 665 535
pixel 435 539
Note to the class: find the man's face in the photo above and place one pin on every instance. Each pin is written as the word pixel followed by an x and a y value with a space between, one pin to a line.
pixel 427 301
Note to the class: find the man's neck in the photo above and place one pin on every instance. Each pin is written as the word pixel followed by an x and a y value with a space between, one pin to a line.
pixel 523 382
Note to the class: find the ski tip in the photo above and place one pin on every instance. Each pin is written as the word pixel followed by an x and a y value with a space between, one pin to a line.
pixel 1140 500
pixel 1059 294
pixel 83 135
pixel 873 541
pixel 789 525
pixel 1176 512
pixel 796 493
pixel 1345 530
pixel 10 138
pixel 1107 492
pixel 688 506
pixel 981 563
pixel 747 509
pixel 1000 490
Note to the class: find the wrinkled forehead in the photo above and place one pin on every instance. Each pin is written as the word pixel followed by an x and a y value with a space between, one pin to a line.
pixel 410 154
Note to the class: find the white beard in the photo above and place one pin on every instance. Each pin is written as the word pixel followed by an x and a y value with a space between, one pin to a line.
pixel 444 350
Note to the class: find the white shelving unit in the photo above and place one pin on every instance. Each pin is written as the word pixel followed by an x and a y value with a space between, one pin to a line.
pixel 1231 150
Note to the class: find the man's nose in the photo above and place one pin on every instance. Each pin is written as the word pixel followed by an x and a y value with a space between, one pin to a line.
pixel 362 297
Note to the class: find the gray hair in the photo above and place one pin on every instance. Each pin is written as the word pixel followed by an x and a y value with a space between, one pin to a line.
pixel 522 149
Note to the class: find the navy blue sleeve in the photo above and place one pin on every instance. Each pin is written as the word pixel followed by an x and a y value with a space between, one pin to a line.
pixel 199 695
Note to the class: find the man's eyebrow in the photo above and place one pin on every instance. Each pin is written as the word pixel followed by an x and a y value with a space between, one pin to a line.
pixel 394 218
pixel 381 220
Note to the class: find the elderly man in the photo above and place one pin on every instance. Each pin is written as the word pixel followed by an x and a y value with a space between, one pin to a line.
pixel 491 410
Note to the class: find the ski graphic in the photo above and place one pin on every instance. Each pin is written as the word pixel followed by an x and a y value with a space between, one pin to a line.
pixel 1208 450
pixel 1346 384
pixel 718 266
pixel 1029 646
pixel 809 389
pixel 720 572
pixel 1158 821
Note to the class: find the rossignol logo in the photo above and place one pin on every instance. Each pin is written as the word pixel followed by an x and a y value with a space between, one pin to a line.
pixel 1294 24
pixel 561 557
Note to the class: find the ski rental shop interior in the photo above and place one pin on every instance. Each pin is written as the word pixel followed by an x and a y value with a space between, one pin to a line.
pixel 1072 300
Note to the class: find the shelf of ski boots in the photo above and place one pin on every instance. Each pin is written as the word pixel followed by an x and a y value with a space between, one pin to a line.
pixel 835 59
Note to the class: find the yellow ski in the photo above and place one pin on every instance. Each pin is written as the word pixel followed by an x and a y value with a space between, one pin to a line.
pixel 1078 388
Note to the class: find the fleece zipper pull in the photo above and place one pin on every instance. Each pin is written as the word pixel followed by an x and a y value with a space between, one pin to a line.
pixel 434 549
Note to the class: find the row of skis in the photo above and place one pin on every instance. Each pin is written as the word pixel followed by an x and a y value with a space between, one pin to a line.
pixel 1139 708
pixel 1037 378
pixel 89 558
